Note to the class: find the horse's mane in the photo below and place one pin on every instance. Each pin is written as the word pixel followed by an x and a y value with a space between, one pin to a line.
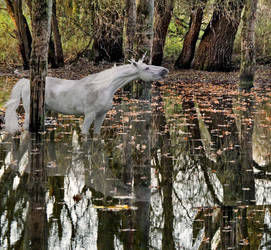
pixel 105 77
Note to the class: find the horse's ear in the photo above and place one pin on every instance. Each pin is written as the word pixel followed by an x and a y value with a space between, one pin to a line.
pixel 133 62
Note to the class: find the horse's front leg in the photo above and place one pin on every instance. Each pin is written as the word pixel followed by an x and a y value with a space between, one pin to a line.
pixel 98 123
pixel 87 122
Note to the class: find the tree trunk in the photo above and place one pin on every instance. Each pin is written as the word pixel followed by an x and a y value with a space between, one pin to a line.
pixel 37 224
pixel 191 37
pixel 144 29
pixel 163 13
pixel 129 28
pixel 41 15
pixel 57 38
pixel 51 54
pixel 247 67
pixel 22 30
pixel 215 49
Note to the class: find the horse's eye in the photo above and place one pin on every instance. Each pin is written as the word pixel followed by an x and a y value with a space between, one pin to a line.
pixel 147 68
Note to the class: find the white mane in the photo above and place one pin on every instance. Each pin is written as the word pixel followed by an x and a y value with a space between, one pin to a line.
pixel 105 78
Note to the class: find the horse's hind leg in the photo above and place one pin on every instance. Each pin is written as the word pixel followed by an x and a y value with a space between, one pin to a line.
pixel 98 123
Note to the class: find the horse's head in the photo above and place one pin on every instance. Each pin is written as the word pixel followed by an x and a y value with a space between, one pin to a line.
pixel 149 73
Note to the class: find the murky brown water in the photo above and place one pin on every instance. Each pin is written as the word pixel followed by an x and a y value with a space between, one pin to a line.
pixel 177 166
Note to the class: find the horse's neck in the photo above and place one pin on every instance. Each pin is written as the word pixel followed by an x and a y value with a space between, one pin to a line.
pixel 121 79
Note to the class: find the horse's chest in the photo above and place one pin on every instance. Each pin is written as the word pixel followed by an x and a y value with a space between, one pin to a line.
pixel 104 108
pixel 101 105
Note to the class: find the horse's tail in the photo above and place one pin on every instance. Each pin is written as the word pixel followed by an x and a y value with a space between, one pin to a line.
pixel 11 119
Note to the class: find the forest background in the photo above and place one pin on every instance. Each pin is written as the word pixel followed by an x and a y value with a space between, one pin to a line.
pixel 197 34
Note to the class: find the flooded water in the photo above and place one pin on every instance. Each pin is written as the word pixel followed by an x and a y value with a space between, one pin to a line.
pixel 177 166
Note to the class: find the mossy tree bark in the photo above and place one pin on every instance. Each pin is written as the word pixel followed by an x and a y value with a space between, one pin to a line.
pixel 144 29
pixel 163 13
pixel 41 23
pixel 129 28
pixel 215 49
pixel 22 30
pixel 247 67
pixel 191 37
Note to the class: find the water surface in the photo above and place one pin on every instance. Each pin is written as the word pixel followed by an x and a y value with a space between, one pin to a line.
pixel 177 166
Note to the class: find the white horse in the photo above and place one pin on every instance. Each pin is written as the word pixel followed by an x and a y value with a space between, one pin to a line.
pixel 91 96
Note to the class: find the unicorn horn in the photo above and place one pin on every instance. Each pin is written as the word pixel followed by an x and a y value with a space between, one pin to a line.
pixel 143 57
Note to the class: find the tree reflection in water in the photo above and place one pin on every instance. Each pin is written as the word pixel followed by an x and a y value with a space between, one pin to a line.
pixel 36 219
pixel 171 170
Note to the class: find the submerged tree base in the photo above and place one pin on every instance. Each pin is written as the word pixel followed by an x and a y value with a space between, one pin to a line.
pixel 245 85
pixel 246 81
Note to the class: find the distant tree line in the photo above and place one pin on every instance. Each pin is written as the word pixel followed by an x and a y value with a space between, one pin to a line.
pixel 118 30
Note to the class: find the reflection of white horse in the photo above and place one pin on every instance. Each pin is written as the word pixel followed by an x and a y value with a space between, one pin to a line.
pixel 91 96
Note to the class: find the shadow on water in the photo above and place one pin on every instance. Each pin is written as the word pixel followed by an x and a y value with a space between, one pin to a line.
pixel 176 167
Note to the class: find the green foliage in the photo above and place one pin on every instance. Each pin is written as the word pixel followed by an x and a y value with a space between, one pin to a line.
pixel 174 43
pixel 75 24
pixel 8 43
pixel 176 31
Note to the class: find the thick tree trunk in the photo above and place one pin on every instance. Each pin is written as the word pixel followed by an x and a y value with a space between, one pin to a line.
pixel 57 38
pixel 41 15
pixel 191 37
pixel 247 67
pixel 215 49
pixel 129 28
pixel 163 13
pixel 144 29
pixel 22 30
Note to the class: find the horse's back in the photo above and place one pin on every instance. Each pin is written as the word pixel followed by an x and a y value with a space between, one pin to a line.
pixel 58 82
